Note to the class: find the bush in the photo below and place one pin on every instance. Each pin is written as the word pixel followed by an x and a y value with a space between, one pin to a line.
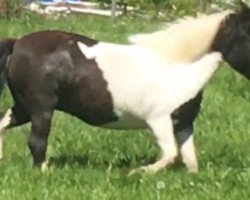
pixel 11 8
pixel 167 8
pixel 172 8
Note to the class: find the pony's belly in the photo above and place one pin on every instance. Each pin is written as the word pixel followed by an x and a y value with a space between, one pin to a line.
pixel 126 121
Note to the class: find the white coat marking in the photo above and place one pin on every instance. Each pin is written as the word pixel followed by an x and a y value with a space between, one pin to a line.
pixel 143 85
pixel 4 122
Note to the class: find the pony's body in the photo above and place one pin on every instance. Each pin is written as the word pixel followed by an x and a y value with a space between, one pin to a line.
pixel 106 85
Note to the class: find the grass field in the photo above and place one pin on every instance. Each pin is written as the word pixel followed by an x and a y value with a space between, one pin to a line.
pixel 92 163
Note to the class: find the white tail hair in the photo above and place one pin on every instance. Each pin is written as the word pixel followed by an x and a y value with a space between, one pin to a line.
pixel 185 40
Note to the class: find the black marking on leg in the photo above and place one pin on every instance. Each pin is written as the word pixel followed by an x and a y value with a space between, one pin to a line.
pixel 39 136
pixel 183 135
pixel 185 115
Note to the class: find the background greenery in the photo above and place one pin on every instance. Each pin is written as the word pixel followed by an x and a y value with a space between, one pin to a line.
pixel 172 8
pixel 161 9
pixel 92 163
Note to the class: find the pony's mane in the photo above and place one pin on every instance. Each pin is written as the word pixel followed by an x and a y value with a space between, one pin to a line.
pixel 184 40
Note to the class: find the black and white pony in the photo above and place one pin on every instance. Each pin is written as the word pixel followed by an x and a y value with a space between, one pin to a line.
pixel 113 86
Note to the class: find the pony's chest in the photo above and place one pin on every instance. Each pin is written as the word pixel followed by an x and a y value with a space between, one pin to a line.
pixel 126 121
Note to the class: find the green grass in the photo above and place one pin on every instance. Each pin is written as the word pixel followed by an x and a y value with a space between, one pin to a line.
pixel 92 163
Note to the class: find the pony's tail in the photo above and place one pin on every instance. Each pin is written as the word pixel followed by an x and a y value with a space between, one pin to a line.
pixel 6 48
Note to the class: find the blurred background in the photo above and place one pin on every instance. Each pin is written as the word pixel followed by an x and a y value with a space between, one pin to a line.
pixel 162 9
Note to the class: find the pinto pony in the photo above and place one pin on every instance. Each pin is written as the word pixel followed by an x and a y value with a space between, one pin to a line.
pixel 108 85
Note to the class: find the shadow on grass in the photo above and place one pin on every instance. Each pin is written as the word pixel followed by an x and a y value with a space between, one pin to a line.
pixel 128 163
pixel 84 160
pixel 63 160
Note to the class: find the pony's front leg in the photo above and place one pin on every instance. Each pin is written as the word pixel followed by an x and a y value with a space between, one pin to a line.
pixel 162 128
pixel 187 149
pixel 38 139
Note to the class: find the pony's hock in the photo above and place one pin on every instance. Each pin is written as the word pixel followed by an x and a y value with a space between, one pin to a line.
pixel 148 84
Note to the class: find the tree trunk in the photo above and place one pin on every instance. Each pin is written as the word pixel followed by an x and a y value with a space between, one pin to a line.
pixel 113 10
pixel 202 5
pixel 2 7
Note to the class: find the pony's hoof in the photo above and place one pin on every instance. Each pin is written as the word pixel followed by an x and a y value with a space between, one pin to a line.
pixel 44 167
pixel 134 171
pixel 143 169
pixel 193 170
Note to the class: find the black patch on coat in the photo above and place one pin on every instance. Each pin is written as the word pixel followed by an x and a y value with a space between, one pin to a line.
pixel 48 69
pixel 186 113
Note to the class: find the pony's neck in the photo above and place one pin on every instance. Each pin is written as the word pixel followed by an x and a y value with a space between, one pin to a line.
pixel 186 41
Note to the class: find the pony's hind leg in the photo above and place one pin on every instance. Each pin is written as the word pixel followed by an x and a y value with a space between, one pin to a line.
pixel 163 130
pixel 13 117
pixel 187 148
pixel 40 128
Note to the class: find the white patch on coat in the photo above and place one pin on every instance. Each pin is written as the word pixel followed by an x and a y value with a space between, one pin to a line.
pixel 144 86
pixel 4 122
pixel 188 155
pixel 89 52
pixel 148 88
pixel 186 40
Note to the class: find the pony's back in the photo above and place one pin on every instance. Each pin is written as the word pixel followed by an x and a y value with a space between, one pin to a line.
pixel 184 41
